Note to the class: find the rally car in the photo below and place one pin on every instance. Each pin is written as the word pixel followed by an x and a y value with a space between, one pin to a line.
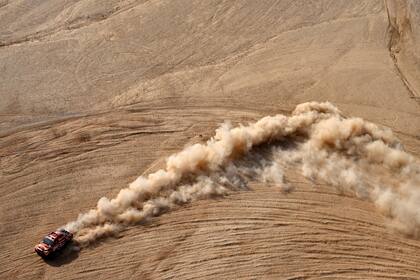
pixel 53 242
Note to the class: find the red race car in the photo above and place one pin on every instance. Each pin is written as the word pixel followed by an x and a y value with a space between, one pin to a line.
pixel 53 242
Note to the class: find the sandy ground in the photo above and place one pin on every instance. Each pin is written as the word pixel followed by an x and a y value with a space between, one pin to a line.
pixel 96 93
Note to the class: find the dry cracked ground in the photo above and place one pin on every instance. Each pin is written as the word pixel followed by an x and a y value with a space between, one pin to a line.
pixel 94 93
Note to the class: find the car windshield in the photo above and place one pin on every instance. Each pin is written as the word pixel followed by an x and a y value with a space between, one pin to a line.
pixel 48 241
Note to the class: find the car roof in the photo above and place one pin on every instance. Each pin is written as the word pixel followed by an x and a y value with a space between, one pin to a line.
pixel 53 234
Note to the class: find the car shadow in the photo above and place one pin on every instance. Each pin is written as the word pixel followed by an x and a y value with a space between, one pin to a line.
pixel 65 256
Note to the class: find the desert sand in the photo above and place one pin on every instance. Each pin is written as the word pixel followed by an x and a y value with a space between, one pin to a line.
pixel 96 93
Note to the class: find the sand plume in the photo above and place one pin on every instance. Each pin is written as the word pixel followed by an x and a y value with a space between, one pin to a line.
pixel 349 153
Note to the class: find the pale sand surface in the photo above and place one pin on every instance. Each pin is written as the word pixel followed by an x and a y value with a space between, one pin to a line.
pixel 95 93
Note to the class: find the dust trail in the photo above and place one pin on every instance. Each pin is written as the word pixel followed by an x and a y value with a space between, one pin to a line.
pixel 349 153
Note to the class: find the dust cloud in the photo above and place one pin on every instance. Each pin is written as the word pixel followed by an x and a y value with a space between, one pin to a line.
pixel 350 154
